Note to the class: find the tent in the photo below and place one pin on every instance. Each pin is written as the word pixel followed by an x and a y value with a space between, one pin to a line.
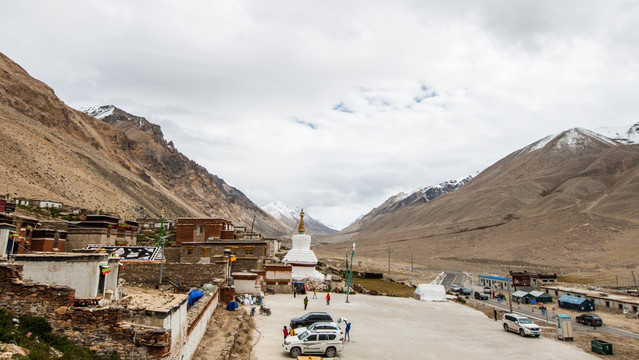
pixel 430 292
pixel 541 297
pixel 521 297
pixel 575 303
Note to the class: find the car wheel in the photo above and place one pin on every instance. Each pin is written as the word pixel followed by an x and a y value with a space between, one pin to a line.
pixel 506 327
pixel 521 332
pixel 295 352
pixel 331 352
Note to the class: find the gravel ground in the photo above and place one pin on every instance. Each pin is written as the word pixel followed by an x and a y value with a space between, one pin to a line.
pixel 401 328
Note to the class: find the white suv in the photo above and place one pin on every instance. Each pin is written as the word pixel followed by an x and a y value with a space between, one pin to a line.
pixel 311 342
pixel 520 324
pixel 322 327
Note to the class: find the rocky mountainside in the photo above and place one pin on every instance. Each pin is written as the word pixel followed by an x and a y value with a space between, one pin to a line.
pixel 403 200
pixel 120 165
pixel 566 204
pixel 291 218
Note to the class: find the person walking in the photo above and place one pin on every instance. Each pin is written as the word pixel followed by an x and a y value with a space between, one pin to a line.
pixel 328 298
pixel 495 313
pixel 347 332
pixel 285 331
pixel 294 292
pixel 305 302
pixel 314 293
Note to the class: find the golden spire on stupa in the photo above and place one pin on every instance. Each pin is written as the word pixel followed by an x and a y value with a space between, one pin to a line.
pixel 301 228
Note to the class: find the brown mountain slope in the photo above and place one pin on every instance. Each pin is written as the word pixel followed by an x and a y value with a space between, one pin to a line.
pixel 566 207
pixel 50 151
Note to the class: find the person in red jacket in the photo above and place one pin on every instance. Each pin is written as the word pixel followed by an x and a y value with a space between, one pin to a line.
pixel 328 298
pixel 285 331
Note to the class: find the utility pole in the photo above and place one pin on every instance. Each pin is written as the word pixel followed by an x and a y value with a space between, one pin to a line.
pixel 389 271
pixel 350 276
pixel 635 280
pixel 253 223
pixel 510 300
pixel 161 245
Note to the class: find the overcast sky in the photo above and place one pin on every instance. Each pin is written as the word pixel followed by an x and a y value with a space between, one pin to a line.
pixel 334 106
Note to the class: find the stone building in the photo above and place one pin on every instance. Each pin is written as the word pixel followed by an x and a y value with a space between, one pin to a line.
pixel 101 229
pixel 200 230
pixel 49 236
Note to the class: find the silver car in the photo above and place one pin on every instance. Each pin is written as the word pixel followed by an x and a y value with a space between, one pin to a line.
pixel 312 342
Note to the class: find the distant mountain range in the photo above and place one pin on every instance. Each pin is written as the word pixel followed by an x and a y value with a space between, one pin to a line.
pixel 403 200
pixel 291 217
pixel 563 204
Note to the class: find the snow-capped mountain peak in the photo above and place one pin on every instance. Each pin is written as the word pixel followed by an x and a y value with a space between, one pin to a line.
pixel 99 112
pixel 291 217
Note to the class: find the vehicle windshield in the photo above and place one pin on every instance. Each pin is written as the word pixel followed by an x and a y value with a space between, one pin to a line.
pixel 524 321
pixel 303 335
pixel 595 317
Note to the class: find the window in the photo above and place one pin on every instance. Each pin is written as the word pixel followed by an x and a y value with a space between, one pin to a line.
pixel 323 336
pixel 331 336
pixel 607 304
pixel 620 307
pixel 312 337
pixel 248 252
pixel 189 251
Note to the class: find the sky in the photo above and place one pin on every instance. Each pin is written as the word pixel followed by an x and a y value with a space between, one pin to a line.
pixel 334 106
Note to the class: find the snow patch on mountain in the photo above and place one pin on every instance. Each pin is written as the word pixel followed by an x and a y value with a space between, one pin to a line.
pixel 99 112
pixel 576 137
pixel 280 211
pixel 624 134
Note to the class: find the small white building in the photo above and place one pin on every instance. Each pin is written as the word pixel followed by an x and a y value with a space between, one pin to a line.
pixel 5 231
pixel 246 283
pixel 92 275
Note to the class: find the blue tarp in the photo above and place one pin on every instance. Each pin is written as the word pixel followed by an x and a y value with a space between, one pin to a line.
pixel 232 305
pixel 194 296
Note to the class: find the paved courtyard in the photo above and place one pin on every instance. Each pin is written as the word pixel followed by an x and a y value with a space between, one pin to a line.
pixel 406 329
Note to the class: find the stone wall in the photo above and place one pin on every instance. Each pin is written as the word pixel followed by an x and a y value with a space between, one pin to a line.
pixel 101 329
pixel 191 275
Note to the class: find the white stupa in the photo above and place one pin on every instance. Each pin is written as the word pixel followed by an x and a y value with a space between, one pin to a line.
pixel 301 256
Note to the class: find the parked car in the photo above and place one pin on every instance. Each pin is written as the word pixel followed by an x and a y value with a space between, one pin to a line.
pixel 322 327
pixel 487 290
pixel 589 319
pixel 311 342
pixel 521 324
pixel 455 288
pixel 464 291
pixel 310 318
pixel 480 296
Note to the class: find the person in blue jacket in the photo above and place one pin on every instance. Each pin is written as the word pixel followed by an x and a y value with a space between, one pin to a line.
pixel 347 333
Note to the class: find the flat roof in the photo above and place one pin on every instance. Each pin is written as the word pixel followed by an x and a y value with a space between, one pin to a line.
pixel 601 294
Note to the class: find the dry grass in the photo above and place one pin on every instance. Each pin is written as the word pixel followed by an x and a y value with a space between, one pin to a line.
pixel 386 287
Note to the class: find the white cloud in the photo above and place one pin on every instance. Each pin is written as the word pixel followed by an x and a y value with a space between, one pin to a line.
pixel 335 106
